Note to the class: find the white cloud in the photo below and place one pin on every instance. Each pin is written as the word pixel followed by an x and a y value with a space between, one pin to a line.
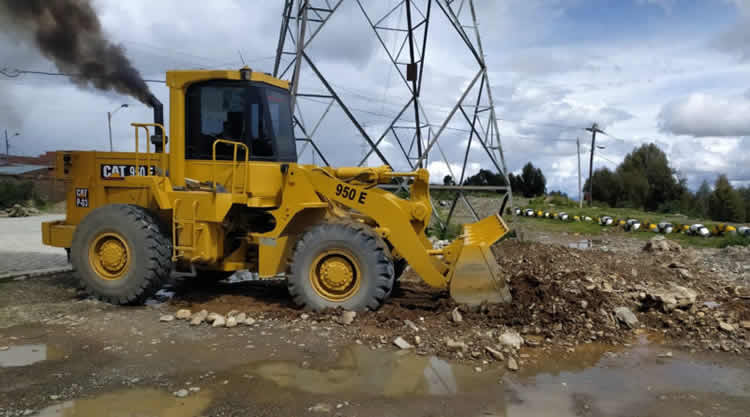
pixel 702 115
pixel 439 169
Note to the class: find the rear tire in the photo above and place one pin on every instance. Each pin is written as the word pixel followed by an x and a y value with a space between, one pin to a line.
pixel 340 265
pixel 120 255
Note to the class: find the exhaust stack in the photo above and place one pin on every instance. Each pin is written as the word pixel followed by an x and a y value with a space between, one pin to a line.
pixel 158 138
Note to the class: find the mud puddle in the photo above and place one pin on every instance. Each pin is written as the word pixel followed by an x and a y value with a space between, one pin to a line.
pixel 24 355
pixel 642 380
pixel 131 403
pixel 360 370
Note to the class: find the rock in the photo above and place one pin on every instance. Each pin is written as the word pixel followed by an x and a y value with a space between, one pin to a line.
pixel 417 340
pixel 4 348
pixel 213 316
pixel 250 321
pixel 662 244
pixel 198 318
pixel 496 354
pixel 347 317
pixel 745 324
pixel 626 316
pixel 183 314
pixel 726 326
pixel 241 317
pixel 320 408
pixel 54 397
pixel 219 321
pixel 410 324
pixel 304 316
pixel 511 339
pixel 665 355
pixel 181 393
pixel 166 318
pixel 401 343
pixel 456 316
pixel 231 321
pixel 512 364
pixel 676 296
pixel 232 313
pixel 455 345
pixel 584 304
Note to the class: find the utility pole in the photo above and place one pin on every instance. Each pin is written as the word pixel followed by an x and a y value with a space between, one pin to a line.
pixel 109 123
pixel 580 195
pixel 594 129
pixel 7 146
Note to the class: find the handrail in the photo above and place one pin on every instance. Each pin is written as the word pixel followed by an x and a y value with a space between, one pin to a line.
pixel 145 126
pixel 234 163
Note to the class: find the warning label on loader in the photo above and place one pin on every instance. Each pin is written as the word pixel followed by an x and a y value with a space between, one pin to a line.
pixel 122 171
pixel 82 197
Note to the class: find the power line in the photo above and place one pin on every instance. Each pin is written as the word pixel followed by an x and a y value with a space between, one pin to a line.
pixel 15 73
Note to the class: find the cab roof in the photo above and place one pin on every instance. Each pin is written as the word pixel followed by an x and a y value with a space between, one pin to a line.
pixel 183 78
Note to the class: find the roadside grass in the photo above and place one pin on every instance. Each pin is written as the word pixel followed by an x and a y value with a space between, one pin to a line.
pixel 594 229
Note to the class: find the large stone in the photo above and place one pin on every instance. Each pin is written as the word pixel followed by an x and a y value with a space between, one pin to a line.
pixel 241 317
pixel 676 296
pixel 626 316
pixel 512 364
pixel 183 314
pixel 455 345
pixel 511 339
pixel 726 327
pixel 232 321
pixel 456 316
pixel 166 318
pixel 347 317
pixel 661 244
pixel 401 343
pixel 496 354
pixel 198 318
pixel 219 321
pixel 745 324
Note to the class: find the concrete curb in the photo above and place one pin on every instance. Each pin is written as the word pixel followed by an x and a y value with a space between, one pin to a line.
pixel 35 273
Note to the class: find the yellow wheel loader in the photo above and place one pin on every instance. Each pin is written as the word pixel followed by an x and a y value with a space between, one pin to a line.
pixel 224 192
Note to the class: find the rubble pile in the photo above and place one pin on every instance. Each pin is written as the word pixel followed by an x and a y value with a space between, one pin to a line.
pixel 562 298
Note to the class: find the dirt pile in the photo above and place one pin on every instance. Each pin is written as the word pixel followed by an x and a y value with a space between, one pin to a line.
pixel 562 297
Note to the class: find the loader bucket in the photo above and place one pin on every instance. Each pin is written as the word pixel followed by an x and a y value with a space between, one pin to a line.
pixel 477 277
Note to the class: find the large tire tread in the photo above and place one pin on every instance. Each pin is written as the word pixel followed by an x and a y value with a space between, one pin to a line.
pixel 361 238
pixel 157 265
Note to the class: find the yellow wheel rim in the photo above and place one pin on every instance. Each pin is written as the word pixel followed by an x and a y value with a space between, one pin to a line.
pixel 335 275
pixel 109 256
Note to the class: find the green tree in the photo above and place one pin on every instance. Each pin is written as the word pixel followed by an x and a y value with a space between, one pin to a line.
pixel 745 193
pixel 607 186
pixel 534 182
pixel 725 203
pixel 700 203
pixel 647 178
pixel 485 177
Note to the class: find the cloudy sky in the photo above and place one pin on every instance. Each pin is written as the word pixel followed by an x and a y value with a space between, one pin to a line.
pixel 672 72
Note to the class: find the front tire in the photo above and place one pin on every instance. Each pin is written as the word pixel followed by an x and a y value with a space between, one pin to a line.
pixel 120 255
pixel 340 265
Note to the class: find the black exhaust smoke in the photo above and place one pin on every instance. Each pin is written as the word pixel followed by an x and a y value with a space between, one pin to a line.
pixel 69 33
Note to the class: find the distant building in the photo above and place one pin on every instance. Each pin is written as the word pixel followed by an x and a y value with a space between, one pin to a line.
pixel 39 170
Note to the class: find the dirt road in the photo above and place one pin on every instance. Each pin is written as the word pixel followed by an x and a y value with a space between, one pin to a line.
pixel 62 354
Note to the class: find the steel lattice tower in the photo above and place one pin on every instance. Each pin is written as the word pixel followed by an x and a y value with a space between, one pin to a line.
pixel 417 139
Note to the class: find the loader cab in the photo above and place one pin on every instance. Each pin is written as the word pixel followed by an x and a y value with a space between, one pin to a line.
pixel 243 106
pixel 256 114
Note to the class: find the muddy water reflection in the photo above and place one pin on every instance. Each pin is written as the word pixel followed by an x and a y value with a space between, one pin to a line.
pixel 634 379
pixel 391 374
pixel 132 403
pixel 24 355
